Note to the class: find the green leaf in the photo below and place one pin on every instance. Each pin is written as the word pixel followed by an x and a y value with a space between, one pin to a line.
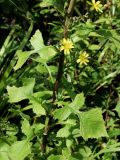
pixel 37 40
pixel 111 148
pixel 46 53
pixel 85 152
pixel 117 108
pixel 78 101
pixel 62 113
pixel 26 129
pixel 58 5
pixel 38 109
pixel 69 142
pixel 17 94
pixel 92 124
pixel 94 47
pixel 37 106
pixel 104 32
pixel 4 150
pixel 55 157
pixel 64 132
pixel 46 3
pixel 22 58
pixel 37 127
pixel 19 150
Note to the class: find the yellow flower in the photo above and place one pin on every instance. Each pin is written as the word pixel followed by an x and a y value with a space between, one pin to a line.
pixel 66 45
pixel 83 58
pixel 96 6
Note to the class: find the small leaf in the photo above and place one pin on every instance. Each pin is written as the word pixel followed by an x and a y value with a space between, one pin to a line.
pixel 92 124
pixel 94 47
pixel 37 127
pixel 17 94
pixel 26 129
pixel 117 108
pixel 62 113
pixel 85 152
pixel 37 106
pixel 38 109
pixel 19 150
pixel 69 143
pixel 78 101
pixel 22 58
pixel 63 132
pixel 37 40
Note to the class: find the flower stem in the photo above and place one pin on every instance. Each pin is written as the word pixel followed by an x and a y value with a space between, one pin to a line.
pixel 62 56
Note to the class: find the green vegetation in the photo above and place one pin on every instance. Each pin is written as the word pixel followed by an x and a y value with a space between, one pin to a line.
pixel 59 80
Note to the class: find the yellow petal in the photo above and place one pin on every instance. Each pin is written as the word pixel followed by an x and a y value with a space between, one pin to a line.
pixel 61 48
pixel 93 1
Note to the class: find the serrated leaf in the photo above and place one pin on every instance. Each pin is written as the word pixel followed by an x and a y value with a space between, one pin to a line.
pixel 92 124
pixel 62 113
pixel 63 132
pixel 78 101
pixel 22 58
pixel 19 150
pixel 37 107
pixel 17 94
pixel 26 129
pixel 37 40
pixel 4 150
pixel 37 127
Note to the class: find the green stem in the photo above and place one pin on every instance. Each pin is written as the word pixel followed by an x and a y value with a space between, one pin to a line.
pixel 44 138
pixel 6 43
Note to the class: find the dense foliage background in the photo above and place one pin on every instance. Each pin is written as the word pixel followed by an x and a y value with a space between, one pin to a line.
pixel 59 80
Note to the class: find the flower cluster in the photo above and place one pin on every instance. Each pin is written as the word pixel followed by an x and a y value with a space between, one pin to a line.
pixel 66 45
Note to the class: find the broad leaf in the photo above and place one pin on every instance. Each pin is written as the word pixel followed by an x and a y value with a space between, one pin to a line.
pixel 64 132
pixel 37 40
pixel 26 129
pixel 4 150
pixel 37 106
pixel 22 58
pixel 19 150
pixel 17 94
pixel 78 102
pixel 46 53
pixel 62 113
pixel 92 124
